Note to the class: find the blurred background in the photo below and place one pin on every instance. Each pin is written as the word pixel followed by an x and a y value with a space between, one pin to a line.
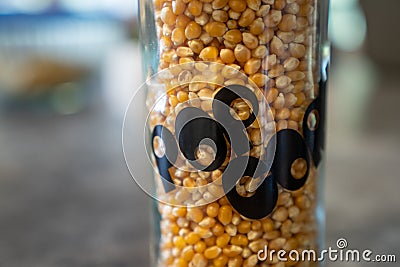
pixel 67 71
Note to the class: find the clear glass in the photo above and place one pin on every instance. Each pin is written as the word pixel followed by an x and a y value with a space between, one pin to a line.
pixel 236 99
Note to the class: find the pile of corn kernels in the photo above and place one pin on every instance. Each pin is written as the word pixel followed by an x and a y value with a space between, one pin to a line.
pixel 273 44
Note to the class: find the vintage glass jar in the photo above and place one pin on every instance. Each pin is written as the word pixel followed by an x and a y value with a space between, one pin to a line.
pixel 236 108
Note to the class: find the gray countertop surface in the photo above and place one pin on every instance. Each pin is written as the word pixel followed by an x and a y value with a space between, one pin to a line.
pixel 67 199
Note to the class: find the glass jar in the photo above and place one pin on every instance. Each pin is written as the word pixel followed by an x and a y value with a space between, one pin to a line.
pixel 236 109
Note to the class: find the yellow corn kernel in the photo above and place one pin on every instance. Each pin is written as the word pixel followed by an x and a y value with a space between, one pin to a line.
pixel 182 96
pixel 199 260
pixel 277 243
pixel 271 95
pixel 180 263
pixel 288 23
pixel 212 252
pixel 203 232
pixel 174 228
pixel 277 46
pixel 286 37
pixel 187 253
pixel 209 53
pixel 281 125
pixel 251 261
pixel 222 240
pixel 242 53
pixel 254 4
pixel 182 20
pixel 210 241
pixel 244 227
pixel 257 26
pixel 196 45
pixel 207 222
pixel 273 18
pixel 267 225
pixel 227 56
pixel 235 262
pixel 279 4
pixel 184 60
pixel 218 4
pixel 305 10
pixel 291 244
pixel 259 52
pixel 168 16
pixel 297 50
pixel 290 100
pixel 232 24
pixel 266 36
pixel 220 261
pixel 239 240
pixel 232 250
pixel 195 7
pixel 300 98
pixel 173 101
pixel 257 245
pixel 178 36
pixel 192 30
pixel 220 15
pixel 252 66
pixel 259 79
pixel 158 4
pixel 218 229
pixel 225 214
pixel 188 182
pixel 184 51
pixel 282 114
pixel 234 36
pixel 246 18
pixel 179 211
pixel 215 28
pixel 179 242
pixel 165 42
pixel 200 246
pixel 169 56
pixel 291 64
pixel 195 214
pixel 169 260
pixel 256 225
pixel 262 11
pixel 282 82
pixel 202 19
pixel 296 75
pixel 237 5
pixel 223 200
pixel 178 7
pixel 192 238
pixel 250 40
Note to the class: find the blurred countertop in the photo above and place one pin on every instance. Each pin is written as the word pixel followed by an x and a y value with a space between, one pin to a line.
pixel 67 199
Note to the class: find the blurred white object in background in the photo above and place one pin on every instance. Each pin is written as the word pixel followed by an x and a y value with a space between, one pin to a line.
pixel 354 76
pixel 348 26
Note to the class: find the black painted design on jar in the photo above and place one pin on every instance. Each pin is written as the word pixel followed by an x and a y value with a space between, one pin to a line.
pixel 314 124
pixel 169 156
pixel 194 126
pixel 290 146
pixel 263 201
pixel 235 129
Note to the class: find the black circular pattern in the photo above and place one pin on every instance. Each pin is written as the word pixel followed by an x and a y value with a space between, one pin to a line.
pixel 168 159
pixel 289 147
pixel 235 129
pixel 193 127
pixel 315 138
pixel 262 203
